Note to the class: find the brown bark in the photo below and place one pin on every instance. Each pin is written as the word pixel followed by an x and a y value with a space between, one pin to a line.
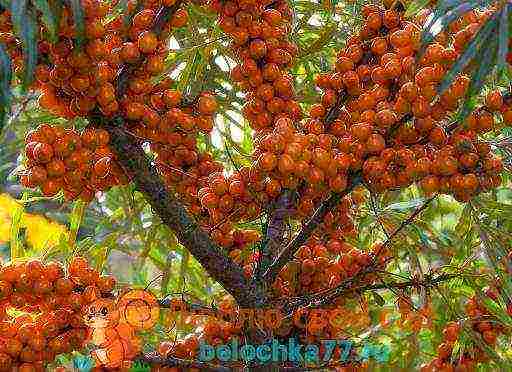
pixel 221 268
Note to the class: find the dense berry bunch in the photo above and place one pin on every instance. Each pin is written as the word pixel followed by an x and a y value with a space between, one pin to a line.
pixel 79 163
pixel 217 200
pixel 259 37
pixel 75 81
pixel 53 300
pixel 379 120
pixel 480 321
pixel 391 127
pixel 79 80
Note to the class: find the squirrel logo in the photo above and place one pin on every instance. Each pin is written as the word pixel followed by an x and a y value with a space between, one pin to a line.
pixel 113 323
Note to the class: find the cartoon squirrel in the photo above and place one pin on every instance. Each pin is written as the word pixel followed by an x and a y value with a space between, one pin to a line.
pixel 113 323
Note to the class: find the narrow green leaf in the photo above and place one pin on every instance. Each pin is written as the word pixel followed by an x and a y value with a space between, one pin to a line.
pixel 469 54
pixel 403 206
pixel 79 18
pixel 29 37
pixel 434 28
pixel 438 12
pixel 415 6
pixel 503 37
pixel 479 78
pixel 47 17
pixel 5 85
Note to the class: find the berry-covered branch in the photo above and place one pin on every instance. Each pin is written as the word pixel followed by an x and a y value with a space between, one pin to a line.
pixel 305 232
pixel 351 286
pixel 173 214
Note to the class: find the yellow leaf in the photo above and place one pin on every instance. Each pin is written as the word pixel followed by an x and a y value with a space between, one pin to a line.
pixel 41 233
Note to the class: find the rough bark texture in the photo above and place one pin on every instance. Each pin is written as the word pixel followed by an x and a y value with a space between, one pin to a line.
pixel 221 268
pixel 276 229
pixel 307 229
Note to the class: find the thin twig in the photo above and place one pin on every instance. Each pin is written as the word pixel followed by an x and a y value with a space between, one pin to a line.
pixel 407 222
pixel 376 214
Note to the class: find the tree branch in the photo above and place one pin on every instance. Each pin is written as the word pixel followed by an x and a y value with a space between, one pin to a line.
pixel 222 269
pixel 307 229
pixel 427 282
pixel 275 229
pixel 289 251
pixel 138 167
pixel 326 296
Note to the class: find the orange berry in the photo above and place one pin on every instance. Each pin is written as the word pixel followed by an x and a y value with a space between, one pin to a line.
pixel 147 42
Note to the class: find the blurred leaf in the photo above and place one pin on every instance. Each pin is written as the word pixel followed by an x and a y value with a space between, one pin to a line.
pixel 403 206
pixel 478 79
pixel 47 17
pixel 29 33
pixel 25 26
pixel 415 6
pixel 5 85
pixel 18 14
pixel 477 46
pixel 15 230
pixel 139 366
pixel 75 219
pixel 379 300
pixel 464 224
pixel 503 38
pixel 83 363
pixel 79 19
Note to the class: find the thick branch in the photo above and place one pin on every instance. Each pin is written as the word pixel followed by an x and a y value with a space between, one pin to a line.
pixel 289 251
pixel 335 111
pixel 222 269
pixel 276 229
pixel 136 164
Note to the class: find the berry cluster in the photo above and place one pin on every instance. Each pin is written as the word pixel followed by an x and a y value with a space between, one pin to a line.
pixel 75 81
pixel 379 119
pixel 259 33
pixel 80 163
pixel 53 300
pixel 483 323
pixel 391 126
